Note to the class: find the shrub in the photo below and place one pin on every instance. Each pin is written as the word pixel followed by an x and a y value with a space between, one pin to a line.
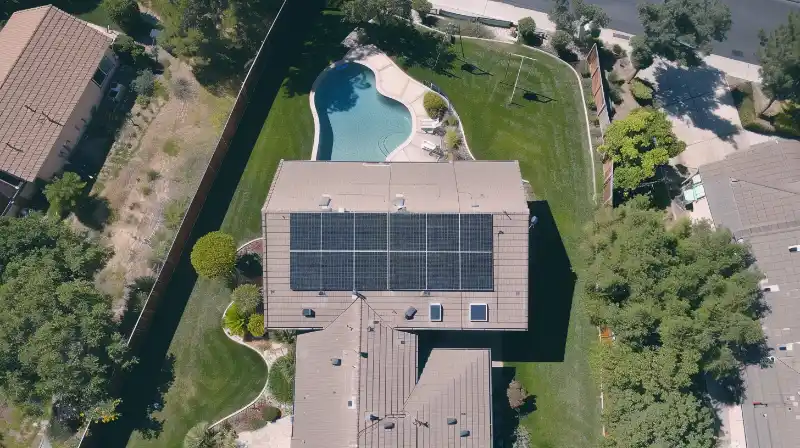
pixel 144 84
pixel 270 413
pixel 614 78
pixel 255 325
pixel 476 29
pixel 283 336
pixel 451 120
pixel 526 27
pixel 171 147
pixel 214 255
pixel 561 40
pixel 146 190
pixel 423 7
pixel 787 121
pixel 452 139
pixel 745 105
pixel 63 193
pixel 174 211
pixel 234 321
pixel 516 394
pixel 615 93
pixel 281 379
pixel 434 105
pixel 590 104
pixel 247 298
pixel 617 50
pixel 124 13
pixel 641 92
pixel 130 52
pixel 153 175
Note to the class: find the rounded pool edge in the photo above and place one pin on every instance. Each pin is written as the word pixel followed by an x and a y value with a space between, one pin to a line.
pixel 313 106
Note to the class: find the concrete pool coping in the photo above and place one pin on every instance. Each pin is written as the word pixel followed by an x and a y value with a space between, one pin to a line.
pixel 392 82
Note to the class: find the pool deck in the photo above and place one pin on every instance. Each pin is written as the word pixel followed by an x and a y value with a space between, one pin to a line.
pixel 394 83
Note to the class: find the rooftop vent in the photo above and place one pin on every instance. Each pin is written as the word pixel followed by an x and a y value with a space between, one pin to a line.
pixel 325 202
pixel 308 312
pixel 771 288
pixel 336 361
pixel 478 312
pixel 794 248
pixel 351 403
pixel 464 433
pixel 410 312
pixel 436 312
pixel 388 425
pixel 370 417
pixel 451 421
pixel 399 202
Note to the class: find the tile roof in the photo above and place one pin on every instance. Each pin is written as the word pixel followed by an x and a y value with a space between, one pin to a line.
pixel 756 194
pixel 376 385
pixel 47 58
pixel 298 186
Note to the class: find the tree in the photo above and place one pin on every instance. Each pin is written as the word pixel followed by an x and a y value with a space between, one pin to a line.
pixel 214 255
pixel 561 15
pixel 63 193
pixel 144 84
pixel 569 17
pixel 129 51
pixel 526 27
pixel 780 61
pixel 124 13
pixel 683 30
pixel 202 436
pixel 641 55
pixel 423 7
pixel 58 340
pixel 255 325
pixel 382 11
pixel 638 144
pixel 516 394
pixel 247 298
pixel 434 105
pixel 560 40
pixel 684 304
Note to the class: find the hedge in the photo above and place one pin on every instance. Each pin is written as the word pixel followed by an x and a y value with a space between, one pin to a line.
pixel 434 105
pixel 281 380
pixel 642 93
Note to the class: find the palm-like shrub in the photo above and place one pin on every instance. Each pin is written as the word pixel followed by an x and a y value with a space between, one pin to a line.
pixel 255 325
pixel 234 321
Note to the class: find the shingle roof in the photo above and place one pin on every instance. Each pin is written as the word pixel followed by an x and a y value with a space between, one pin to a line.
pixel 378 377
pixel 756 194
pixel 47 58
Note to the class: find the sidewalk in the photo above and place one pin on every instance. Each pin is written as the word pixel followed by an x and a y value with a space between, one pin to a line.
pixel 497 10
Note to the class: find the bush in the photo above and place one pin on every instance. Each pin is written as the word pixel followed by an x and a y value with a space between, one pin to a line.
pixel 124 13
pixel 615 93
pixel 146 190
pixel 144 84
pixel 434 105
pixel 234 320
pixel 526 27
pixel 561 40
pixel 787 121
pixel 130 52
pixel 283 336
pixel 642 93
pixel 248 298
pixel 153 175
pixel 614 78
pixel 270 413
pixel 281 379
pixel 451 120
pixel 214 255
pixel 423 7
pixel 171 147
pixel 174 211
pixel 745 105
pixel 255 325
pixel 476 29
pixel 590 104
pixel 452 139
pixel 618 51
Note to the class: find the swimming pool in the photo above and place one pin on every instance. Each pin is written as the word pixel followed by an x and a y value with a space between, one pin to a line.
pixel 356 122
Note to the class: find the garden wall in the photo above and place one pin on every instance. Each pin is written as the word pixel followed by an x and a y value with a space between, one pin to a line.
pixel 282 34
pixel 598 92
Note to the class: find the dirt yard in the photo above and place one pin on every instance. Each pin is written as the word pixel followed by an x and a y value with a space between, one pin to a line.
pixel 151 173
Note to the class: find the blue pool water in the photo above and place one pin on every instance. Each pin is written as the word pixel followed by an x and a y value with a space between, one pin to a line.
pixel 357 123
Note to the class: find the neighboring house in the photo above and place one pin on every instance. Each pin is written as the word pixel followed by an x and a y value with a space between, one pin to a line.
pixel 756 194
pixel 373 254
pixel 53 71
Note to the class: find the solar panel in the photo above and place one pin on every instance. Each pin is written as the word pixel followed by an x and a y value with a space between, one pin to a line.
pixel 304 271
pixel 370 271
pixel 476 271
pixel 334 251
pixel 443 271
pixel 407 271
pixel 407 232
pixel 304 231
pixel 442 232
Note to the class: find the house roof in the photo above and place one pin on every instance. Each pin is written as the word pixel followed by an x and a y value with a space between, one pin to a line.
pixel 495 187
pixel 47 58
pixel 756 194
pixel 376 385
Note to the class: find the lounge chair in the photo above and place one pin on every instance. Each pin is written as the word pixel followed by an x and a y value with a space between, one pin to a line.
pixel 429 125
pixel 429 146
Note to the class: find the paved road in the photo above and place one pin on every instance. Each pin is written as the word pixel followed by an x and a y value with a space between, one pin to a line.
pixel 749 16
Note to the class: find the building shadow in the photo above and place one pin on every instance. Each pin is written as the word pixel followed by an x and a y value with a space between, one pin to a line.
pixel 551 283
pixel 695 93
pixel 146 380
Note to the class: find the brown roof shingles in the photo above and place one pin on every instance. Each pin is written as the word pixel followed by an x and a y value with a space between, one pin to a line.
pixel 49 57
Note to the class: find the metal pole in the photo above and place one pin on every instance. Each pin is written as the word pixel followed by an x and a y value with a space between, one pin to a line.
pixel 511 100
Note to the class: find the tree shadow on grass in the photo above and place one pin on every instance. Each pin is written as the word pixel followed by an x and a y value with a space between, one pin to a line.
pixel 411 47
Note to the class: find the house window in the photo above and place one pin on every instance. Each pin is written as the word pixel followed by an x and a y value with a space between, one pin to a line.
pixel 436 312
pixel 478 312
pixel 105 67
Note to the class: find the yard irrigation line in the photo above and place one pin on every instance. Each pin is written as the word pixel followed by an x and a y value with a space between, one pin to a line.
pixel 580 89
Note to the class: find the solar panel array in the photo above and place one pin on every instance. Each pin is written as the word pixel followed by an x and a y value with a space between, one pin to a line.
pixel 399 251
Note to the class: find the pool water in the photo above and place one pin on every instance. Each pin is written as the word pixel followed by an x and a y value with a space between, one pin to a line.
pixel 357 123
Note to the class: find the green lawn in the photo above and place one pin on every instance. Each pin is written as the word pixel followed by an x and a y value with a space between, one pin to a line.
pixel 543 128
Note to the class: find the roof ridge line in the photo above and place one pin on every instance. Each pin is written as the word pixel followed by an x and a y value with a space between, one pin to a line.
pixel 27 44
